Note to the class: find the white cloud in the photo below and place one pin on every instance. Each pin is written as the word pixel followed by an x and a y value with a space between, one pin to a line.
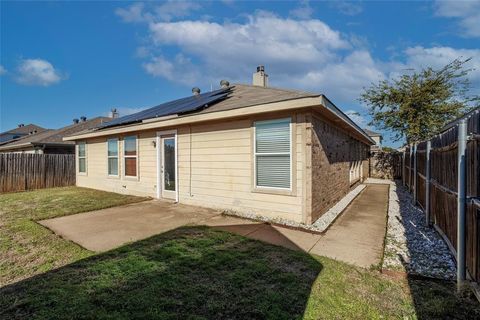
pixel 305 54
pixel 37 72
pixel 437 57
pixel 175 9
pixel 347 8
pixel 233 49
pixel 142 52
pixel 2 70
pixel 467 13
pixel 167 11
pixel 133 13
pixel 179 70
pixel 304 11
pixel 344 79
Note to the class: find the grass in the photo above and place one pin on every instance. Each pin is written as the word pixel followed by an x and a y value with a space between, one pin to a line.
pixel 203 273
pixel 192 273
pixel 27 248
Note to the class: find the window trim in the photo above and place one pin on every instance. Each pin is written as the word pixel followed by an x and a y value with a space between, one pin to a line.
pixel 264 189
pixel 125 157
pixel 77 154
pixel 355 171
pixel 111 157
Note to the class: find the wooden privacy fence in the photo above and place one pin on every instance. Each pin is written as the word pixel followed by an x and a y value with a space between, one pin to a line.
pixel 22 171
pixel 385 165
pixel 432 172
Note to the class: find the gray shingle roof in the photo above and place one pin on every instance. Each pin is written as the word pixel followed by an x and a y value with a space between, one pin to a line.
pixel 26 129
pixel 50 136
pixel 242 95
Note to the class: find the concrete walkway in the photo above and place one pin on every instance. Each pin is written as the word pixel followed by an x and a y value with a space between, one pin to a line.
pixel 356 237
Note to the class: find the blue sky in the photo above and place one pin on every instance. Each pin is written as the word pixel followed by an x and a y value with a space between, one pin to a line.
pixel 62 60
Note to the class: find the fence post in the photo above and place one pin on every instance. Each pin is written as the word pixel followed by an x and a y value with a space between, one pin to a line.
pixel 410 169
pixel 415 173
pixel 461 203
pixel 403 166
pixel 427 182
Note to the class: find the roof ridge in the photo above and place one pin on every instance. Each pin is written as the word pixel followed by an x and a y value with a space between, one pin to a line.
pixel 277 88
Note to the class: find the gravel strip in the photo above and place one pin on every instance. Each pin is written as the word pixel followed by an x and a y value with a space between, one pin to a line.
pixel 318 226
pixel 328 217
pixel 410 245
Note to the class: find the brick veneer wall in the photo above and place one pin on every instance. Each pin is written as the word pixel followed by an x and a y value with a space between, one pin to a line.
pixel 332 151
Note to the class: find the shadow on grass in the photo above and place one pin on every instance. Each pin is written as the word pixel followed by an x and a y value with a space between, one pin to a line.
pixel 185 273
pixel 432 298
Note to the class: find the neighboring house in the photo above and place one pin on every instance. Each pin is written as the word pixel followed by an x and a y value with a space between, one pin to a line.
pixel 51 141
pixel 246 148
pixel 377 137
pixel 19 132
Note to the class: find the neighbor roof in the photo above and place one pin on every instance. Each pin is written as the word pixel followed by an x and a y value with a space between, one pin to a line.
pixel 54 137
pixel 27 129
pixel 372 133
pixel 235 97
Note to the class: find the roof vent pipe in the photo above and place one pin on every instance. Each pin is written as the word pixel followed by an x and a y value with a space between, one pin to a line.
pixel 224 84
pixel 196 91
pixel 75 120
pixel 114 113
pixel 83 118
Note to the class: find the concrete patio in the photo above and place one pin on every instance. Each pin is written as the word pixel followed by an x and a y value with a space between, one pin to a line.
pixel 356 237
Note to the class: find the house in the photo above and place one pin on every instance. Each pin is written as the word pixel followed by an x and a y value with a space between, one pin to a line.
pixel 251 149
pixel 50 141
pixel 21 131
pixel 376 137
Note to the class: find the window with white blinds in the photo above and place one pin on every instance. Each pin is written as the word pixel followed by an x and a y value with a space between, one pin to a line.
pixel 273 154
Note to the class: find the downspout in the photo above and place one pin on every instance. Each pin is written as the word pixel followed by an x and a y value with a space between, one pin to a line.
pixel 190 156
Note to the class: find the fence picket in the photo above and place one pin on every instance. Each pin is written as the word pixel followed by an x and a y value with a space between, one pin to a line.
pixel 437 185
pixel 21 171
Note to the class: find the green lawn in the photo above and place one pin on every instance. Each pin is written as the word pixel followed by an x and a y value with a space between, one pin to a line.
pixel 194 273
pixel 26 247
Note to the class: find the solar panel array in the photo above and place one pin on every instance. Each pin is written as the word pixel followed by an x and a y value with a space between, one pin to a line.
pixel 179 106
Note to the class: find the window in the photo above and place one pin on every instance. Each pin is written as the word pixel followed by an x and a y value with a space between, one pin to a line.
pixel 355 170
pixel 273 154
pixel 82 157
pixel 112 154
pixel 130 156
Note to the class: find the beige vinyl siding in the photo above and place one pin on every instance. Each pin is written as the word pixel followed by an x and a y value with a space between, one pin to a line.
pixel 215 168
pixel 97 168
pixel 215 163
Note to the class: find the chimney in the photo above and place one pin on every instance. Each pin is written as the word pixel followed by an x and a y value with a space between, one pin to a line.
pixel 83 118
pixel 114 113
pixel 224 84
pixel 21 125
pixel 196 91
pixel 75 120
pixel 260 78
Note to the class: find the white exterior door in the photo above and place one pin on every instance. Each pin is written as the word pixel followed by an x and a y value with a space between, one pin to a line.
pixel 168 167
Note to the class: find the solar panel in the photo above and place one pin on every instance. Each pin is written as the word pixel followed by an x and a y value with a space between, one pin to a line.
pixel 179 106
